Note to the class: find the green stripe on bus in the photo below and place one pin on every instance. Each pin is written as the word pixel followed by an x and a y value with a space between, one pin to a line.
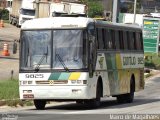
pixel 111 61
pixel 64 76
pixel 54 76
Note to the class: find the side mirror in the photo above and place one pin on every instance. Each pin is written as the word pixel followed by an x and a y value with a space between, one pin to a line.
pixel 14 47
pixel 91 58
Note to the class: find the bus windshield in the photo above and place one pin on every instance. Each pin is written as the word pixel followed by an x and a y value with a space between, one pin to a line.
pixel 54 49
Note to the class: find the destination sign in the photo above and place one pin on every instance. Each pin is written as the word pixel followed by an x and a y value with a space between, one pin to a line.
pixel 132 60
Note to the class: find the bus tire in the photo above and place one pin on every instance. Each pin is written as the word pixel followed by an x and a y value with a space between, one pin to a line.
pixel 130 96
pixel 121 98
pixel 40 104
pixel 79 102
pixel 127 98
pixel 95 103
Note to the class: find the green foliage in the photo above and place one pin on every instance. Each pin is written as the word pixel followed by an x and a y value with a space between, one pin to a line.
pixel 150 64
pixel 15 103
pixel 29 103
pixel 9 92
pixel 152 61
pixel 95 8
pixel 148 75
pixel 9 89
pixel 5 14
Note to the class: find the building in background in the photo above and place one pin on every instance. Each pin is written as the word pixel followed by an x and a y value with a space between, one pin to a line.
pixel 150 6
pixel 3 4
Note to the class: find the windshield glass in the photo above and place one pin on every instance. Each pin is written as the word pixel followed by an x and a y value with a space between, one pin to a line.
pixel 36 44
pixel 69 49
pixel 27 12
pixel 70 46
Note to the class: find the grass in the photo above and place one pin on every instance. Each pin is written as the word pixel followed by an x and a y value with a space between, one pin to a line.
pixel 152 61
pixel 9 92
pixel 148 75
pixel 9 89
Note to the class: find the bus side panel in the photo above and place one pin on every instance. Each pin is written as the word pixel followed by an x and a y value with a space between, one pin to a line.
pixel 120 67
pixel 101 72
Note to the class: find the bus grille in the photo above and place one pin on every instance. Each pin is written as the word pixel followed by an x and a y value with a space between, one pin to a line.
pixel 51 82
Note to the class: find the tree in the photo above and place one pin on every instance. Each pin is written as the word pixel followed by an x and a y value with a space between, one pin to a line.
pixel 95 8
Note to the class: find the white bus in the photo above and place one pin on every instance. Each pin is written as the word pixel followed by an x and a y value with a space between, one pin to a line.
pixel 79 59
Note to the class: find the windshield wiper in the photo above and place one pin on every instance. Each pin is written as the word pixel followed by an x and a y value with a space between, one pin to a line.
pixel 62 62
pixel 41 60
pixel 26 63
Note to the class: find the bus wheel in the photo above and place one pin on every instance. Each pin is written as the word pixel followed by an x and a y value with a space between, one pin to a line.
pixel 40 104
pixel 95 103
pixel 121 98
pixel 130 96
pixel 79 102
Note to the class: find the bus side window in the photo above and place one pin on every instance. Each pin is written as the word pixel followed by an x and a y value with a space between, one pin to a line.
pixel 105 37
pixel 134 41
pixel 117 44
pixel 139 41
pixel 100 39
pixel 128 40
pixel 125 40
pixel 108 39
pixel 121 40
pixel 113 46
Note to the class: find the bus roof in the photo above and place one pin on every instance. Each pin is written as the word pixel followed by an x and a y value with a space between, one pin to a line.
pixel 57 22
pixel 118 25
pixel 73 22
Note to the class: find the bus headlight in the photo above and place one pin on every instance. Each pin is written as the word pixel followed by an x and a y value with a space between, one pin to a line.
pixel 84 81
pixel 79 81
pixel 24 82
pixel 73 81
pixel 27 91
pixel 30 82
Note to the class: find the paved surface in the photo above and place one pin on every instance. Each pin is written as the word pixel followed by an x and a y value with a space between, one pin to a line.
pixel 9 63
pixel 146 102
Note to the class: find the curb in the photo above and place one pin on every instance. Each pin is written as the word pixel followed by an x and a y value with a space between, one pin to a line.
pixel 4 102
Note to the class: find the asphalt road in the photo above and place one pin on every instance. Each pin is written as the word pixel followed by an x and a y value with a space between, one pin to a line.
pixel 146 102
pixel 9 63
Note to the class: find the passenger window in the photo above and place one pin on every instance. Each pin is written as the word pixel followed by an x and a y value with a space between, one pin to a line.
pixel 125 40
pixel 100 39
pixel 121 40
pixel 117 40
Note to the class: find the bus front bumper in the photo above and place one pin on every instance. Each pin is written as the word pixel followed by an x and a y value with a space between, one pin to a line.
pixel 56 92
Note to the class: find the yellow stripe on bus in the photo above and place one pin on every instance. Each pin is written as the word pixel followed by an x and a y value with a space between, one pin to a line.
pixel 118 61
pixel 75 76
